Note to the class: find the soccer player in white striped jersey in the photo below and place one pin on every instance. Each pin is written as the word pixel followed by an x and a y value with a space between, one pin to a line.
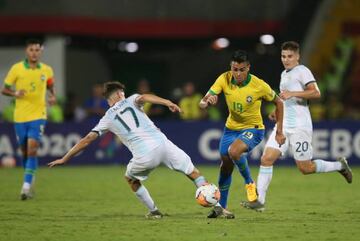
pixel 297 86
pixel 148 145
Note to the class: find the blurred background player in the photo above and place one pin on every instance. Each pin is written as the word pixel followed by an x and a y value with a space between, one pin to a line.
pixel 244 128
pixel 153 111
pixel 28 81
pixel 297 86
pixel 96 106
pixel 148 145
pixel 189 103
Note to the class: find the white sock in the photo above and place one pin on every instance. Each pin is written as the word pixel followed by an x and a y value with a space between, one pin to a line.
pixel 200 181
pixel 324 166
pixel 26 186
pixel 144 196
pixel 263 182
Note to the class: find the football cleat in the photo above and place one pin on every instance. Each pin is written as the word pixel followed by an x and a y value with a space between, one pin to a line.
pixel 154 215
pixel 345 171
pixel 26 194
pixel 255 205
pixel 251 192
pixel 219 212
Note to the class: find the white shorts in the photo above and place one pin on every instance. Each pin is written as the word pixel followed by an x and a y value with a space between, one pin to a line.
pixel 299 141
pixel 168 154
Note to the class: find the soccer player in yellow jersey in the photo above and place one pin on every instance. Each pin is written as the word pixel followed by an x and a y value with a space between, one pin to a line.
pixel 28 81
pixel 244 128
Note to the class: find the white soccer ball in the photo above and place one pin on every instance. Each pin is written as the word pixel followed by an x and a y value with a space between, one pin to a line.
pixel 207 195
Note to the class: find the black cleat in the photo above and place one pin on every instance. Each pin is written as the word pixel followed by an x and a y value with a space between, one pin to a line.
pixel 154 215
pixel 219 212
pixel 255 205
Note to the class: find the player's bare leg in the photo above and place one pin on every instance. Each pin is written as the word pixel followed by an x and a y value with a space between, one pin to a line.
pixel 321 166
pixel 268 158
pixel 226 168
pixel 197 178
pixel 238 154
pixel 30 166
pixel 144 196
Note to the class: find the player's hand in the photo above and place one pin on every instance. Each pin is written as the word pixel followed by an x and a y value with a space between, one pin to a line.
pixel 174 107
pixel 285 94
pixel 19 93
pixel 212 99
pixel 280 138
pixel 272 116
pixel 56 162
pixel 52 100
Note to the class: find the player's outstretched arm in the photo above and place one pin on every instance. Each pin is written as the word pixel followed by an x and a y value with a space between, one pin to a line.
pixel 154 99
pixel 279 116
pixel 208 99
pixel 52 96
pixel 311 92
pixel 81 145
pixel 9 92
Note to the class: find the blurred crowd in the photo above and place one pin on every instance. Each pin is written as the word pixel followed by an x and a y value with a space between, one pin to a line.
pixel 330 107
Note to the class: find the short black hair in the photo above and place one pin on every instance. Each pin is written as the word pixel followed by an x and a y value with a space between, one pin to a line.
pixel 32 41
pixel 240 56
pixel 111 87
pixel 291 45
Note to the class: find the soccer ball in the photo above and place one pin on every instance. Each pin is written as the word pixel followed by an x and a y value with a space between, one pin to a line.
pixel 207 195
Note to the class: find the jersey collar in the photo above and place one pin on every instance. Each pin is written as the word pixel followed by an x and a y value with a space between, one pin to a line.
pixel 27 65
pixel 245 83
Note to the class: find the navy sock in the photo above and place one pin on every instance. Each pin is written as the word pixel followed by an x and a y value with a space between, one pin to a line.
pixel 24 162
pixel 244 169
pixel 30 167
pixel 224 185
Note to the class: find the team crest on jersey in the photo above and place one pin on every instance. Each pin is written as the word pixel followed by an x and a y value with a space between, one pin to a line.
pixel 43 77
pixel 249 99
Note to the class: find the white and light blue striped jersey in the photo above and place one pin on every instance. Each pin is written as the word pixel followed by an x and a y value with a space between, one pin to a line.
pixel 296 110
pixel 128 121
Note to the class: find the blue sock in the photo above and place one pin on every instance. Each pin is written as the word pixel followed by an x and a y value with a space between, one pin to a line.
pixel 30 167
pixel 224 185
pixel 244 169
pixel 199 181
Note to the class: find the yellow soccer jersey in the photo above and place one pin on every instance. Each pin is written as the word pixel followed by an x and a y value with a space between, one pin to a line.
pixel 190 107
pixel 243 101
pixel 32 106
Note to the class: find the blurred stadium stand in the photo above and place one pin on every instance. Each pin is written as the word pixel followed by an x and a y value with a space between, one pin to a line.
pixel 174 38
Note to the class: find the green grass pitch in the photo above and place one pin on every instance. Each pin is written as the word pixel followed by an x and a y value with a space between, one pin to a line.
pixel 95 203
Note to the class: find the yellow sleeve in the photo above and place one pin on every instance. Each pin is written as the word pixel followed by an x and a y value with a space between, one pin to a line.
pixel 11 77
pixel 218 86
pixel 268 93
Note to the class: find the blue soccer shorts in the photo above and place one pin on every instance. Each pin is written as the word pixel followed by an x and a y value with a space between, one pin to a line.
pixel 31 129
pixel 251 137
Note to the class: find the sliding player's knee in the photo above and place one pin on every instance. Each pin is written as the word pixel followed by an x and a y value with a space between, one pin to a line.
pixel 235 153
pixel 32 150
pixel 267 161
pixel 306 168
pixel 195 173
pixel 134 184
